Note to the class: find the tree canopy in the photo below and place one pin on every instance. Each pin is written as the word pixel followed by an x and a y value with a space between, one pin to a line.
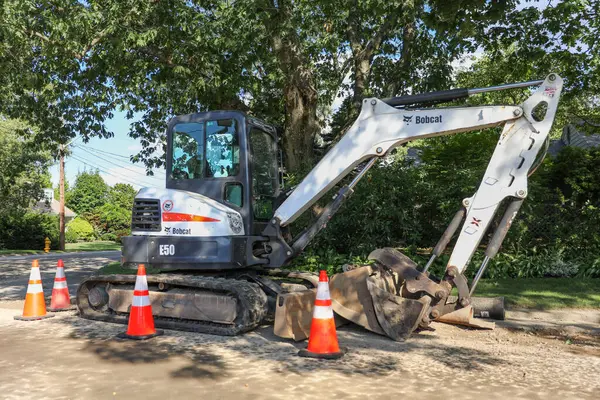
pixel 67 65
pixel 88 192
pixel 24 167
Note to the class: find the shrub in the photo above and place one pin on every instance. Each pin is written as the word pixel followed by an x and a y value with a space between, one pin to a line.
pixel 28 231
pixel 71 236
pixel 561 268
pixel 79 229
pixel 109 237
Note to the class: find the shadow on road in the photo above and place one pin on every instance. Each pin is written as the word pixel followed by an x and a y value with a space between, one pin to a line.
pixel 202 363
pixel 211 357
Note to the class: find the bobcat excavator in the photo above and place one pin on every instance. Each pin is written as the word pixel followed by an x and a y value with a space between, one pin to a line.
pixel 219 232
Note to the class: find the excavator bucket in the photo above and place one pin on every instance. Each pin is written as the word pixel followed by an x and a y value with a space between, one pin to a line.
pixel 350 298
pixel 397 316
pixel 368 297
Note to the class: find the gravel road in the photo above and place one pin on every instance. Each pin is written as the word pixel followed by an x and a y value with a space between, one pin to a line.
pixel 67 357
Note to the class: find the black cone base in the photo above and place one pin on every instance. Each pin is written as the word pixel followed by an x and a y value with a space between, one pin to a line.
pixel 124 335
pixel 325 356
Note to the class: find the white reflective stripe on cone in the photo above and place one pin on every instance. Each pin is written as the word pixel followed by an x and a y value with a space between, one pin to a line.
pixel 60 285
pixel 34 288
pixel 322 312
pixel 141 301
pixel 141 283
pixel 323 291
pixel 60 272
pixel 35 274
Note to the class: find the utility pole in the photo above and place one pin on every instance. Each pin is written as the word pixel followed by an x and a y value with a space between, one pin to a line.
pixel 61 212
pixel 62 149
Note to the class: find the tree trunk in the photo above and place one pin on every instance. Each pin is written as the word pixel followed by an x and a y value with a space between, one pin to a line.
pixel 398 86
pixel 300 126
pixel 299 91
pixel 362 70
pixel 365 46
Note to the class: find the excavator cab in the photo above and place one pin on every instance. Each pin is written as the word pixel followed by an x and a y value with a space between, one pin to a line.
pixel 223 178
pixel 229 157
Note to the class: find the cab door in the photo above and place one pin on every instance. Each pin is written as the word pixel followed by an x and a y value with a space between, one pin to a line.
pixel 264 161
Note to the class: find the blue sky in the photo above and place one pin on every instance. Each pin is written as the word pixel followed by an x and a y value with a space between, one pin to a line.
pixel 111 157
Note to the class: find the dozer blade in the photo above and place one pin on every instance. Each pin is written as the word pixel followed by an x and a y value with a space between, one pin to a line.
pixel 397 316
pixel 464 317
pixel 294 312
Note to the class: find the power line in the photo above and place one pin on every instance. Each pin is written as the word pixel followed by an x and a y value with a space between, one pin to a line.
pixel 105 171
pixel 121 166
pixel 110 156
pixel 106 152
pixel 90 164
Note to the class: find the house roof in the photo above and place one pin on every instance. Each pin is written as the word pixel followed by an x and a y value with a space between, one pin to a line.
pixel 572 137
pixel 53 207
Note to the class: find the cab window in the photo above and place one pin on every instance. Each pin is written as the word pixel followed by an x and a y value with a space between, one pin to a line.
pixel 188 151
pixel 264 173
pixel 207 149
pixel 222 149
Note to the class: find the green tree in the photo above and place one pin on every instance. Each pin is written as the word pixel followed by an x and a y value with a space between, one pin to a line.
pixel 281 60
pixel 113 221
pixel 79 229
pixel 24 167
pixel 89 192
pixel 122 195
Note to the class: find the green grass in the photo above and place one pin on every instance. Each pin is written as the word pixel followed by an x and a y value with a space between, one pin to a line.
pixel 543 293
pixel 114 268
pixel 92 246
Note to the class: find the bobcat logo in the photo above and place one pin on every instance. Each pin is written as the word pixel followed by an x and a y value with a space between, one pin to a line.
pixel 167 230
pixel 407 119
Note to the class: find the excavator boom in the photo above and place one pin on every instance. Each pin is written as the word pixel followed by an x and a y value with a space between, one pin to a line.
pixel 381 127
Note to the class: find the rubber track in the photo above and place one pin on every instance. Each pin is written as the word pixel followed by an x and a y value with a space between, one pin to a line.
pixel 251 307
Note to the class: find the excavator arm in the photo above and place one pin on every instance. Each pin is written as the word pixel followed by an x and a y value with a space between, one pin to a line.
pixel 381 127
pixel 385 124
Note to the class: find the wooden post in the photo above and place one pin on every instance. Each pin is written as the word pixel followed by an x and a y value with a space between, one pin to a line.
pixel 61 213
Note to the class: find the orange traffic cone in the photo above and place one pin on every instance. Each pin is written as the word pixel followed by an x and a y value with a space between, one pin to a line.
pixel 35 305
pixel 61 301
pixel 141 321
pixel 322 341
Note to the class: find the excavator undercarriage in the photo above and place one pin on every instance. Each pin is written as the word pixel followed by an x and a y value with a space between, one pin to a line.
pixel 389 297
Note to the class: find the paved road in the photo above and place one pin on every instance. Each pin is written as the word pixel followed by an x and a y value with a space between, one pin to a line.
pixel 14 270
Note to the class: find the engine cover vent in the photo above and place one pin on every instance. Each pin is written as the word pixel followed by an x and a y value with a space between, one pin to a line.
pixel 145 215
